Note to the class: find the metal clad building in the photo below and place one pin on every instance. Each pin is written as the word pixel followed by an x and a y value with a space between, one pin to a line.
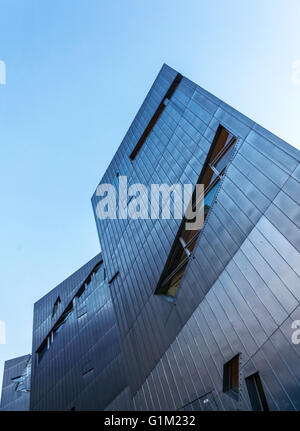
pixel 170 319
pixel 77 362
pixel 16 384
pixel 239 293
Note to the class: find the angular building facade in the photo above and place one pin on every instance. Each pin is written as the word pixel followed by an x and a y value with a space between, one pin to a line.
pixel 77 361
pixel 171 318
pixel 16 384
pixel 205 320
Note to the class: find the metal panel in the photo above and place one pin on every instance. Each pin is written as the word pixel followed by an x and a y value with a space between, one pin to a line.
pixel 242 282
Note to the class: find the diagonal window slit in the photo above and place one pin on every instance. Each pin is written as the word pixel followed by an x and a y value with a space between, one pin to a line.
pixel 218 157
pixel 156 116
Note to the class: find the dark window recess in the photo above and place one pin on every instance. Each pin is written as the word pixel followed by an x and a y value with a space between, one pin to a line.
pixel 155 116
pixel 22 380
pixel 256 393
pixel 82 289
pixel 219 155
pixel 90 370
pixel 54 332
pixel 65 315
pixel 55 306
pixel 42 350
pixel 59 325
pixel 20 385
pixel 89 278
pixel 113 277
pixel 231 377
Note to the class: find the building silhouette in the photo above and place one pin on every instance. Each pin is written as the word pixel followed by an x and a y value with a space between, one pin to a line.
pixel 169 318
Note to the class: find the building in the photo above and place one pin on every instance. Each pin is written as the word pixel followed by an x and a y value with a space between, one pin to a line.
pixel 205 320
pixel 16 384
pixel 77 360
pixel 171 318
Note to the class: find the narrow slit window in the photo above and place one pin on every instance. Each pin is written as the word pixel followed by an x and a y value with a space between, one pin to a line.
pixel 55 306
pixel 231 377
pixel 156 116
pixel 256 393
pixel 113 277
pixel 42 350
pixel 60 323
pixel 22 380
pixel 58 327
pixel 213 169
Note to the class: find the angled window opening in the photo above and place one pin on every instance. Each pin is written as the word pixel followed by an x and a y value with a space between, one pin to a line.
pixel 93 272
pixel 87 281
pixel 256 393
pixel 42 350
pixel 231 377
pixel 88 371
pixel 60 323
pixel 55 306
pixel 45 346
pixel 80 291
pixel 219 155
pixel 113 277
pixel 20 381
pixel 156 116
pixel 20 384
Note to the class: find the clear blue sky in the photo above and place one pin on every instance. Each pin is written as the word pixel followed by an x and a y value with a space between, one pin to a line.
pixel 77 72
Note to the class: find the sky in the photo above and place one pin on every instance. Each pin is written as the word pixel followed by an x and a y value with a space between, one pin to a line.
pixel 76 74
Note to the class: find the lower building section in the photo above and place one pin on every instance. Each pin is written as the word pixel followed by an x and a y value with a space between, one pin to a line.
pixel 236 351
pixel 77 358
pixel 16 384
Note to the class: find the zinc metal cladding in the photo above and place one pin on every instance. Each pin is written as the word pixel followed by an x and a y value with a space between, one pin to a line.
pixel 11 399
pixel 240 291
pixel 85 357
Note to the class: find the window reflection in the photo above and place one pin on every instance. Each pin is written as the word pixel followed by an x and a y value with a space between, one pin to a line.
pixel 214 167
pixel 21 381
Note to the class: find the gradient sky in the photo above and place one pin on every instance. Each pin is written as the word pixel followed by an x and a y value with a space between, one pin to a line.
pixel 77 72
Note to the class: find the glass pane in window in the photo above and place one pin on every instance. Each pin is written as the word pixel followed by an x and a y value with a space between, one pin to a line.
pixel 256 393
pixel 208 177
pixel 175 281
pixel 189 237
pixel 223 161
pixel 209 197
pixel 178 258
pixel 217 159
pixel 235 374
pixel 222 141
